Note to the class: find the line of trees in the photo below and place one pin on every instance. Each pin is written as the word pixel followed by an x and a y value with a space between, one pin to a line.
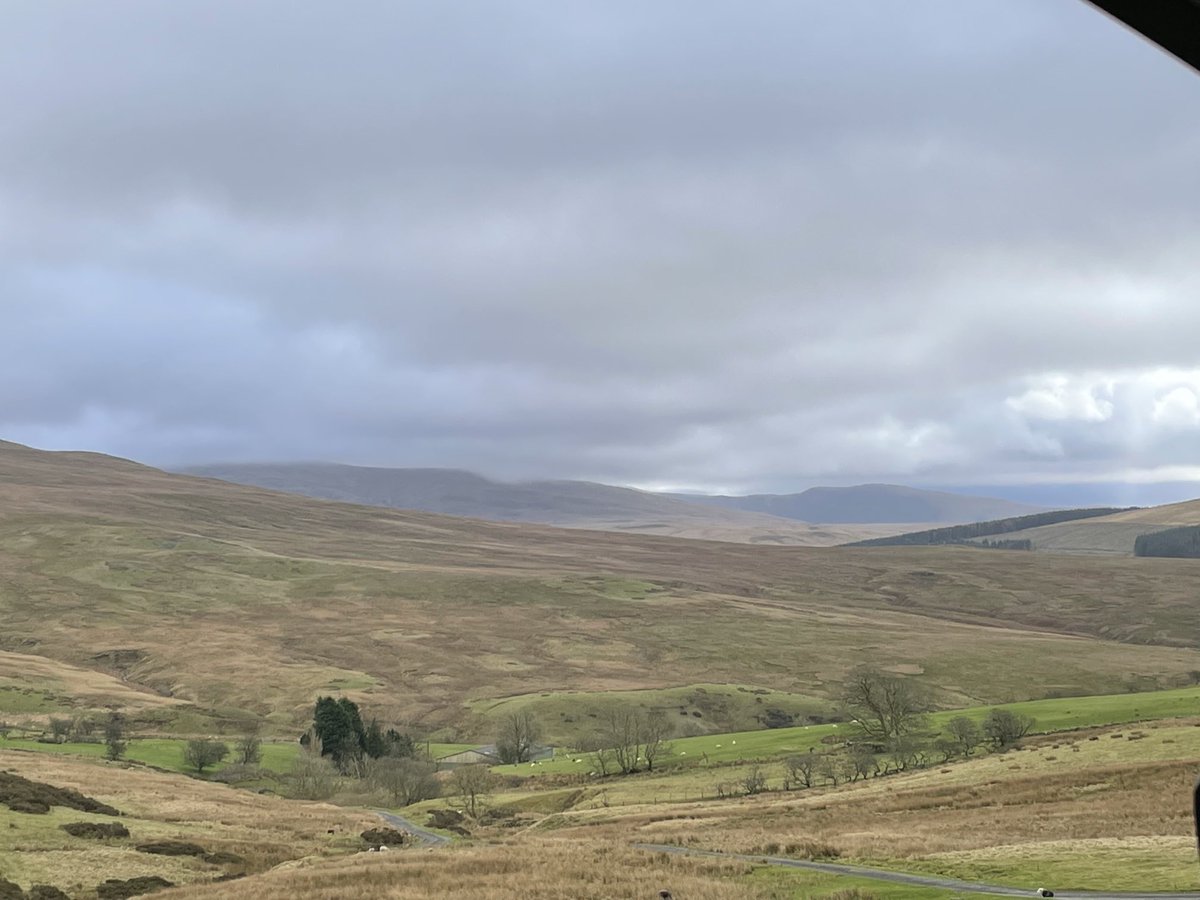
pixel 628 740
pixel 889 732
pixel 1001 544
pixel 955 534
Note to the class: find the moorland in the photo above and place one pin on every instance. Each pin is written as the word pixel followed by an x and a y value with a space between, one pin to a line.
pixel 197 607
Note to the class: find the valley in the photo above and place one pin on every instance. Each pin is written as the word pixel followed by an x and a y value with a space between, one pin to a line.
pixel 201 608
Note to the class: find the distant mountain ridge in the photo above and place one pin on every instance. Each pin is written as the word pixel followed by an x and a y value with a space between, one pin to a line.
pixel 873 503
pixel 453 492
pixel 573 504
pixel 457 492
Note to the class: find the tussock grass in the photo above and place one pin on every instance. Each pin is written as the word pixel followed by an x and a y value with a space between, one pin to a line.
pixel 262 831
pixel 537 869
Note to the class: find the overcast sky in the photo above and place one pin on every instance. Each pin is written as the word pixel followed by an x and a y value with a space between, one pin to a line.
pixel 693 244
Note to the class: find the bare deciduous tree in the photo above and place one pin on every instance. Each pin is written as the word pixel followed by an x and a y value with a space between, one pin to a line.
pixel 203 753
pixel 1004 727
pixel 248 749
pixel 883 707
pixel 832 768
pixel 965 733
pixel 601 755
pixel 862 762
pixel 472 784
pixel 519 733
pixel 800 770
pixel 82 728
pixel 754 781
pixel 622 732
pixel 313 776
pixel 655 731
pixel 59 729
pixel 405 780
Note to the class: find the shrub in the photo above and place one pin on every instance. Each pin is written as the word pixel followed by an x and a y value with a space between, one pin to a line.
pixel 238 773
pixel 203 754
pixel 812 850
pixel 376 837
pixel 1003 728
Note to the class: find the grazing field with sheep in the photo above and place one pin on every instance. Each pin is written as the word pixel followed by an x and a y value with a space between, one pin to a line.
pixel 1101 809
pixel 1053 715
pixel 203 610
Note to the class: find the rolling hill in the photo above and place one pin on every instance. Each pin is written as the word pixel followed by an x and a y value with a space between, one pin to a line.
pixel 1112 535
pixel 236 601
pixel 876 503
pixel 569 504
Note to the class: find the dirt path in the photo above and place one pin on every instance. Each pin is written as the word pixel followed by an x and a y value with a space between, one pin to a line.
pixel 950 884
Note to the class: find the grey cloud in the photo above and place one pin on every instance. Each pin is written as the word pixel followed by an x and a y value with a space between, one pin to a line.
pixel 702 244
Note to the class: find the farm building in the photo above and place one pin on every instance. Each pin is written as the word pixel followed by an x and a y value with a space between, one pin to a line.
pixel 487 755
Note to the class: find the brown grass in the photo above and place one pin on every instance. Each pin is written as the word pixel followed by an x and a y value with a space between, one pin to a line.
pixel 242 599
pixel 264 831
pixel 540 869
pixel 1103 810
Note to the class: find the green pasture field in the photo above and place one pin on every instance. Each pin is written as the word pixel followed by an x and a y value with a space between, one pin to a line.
pixel 162 753
pixel 694 709
pixel 1059 714
pixel 167 753
pixel 1149 864
pixel 798 884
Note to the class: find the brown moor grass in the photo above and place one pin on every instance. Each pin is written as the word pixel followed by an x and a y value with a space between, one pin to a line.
pixel 264 831
pixel 538 869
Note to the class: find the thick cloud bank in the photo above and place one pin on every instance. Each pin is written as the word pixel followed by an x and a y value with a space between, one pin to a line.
pixel 698 245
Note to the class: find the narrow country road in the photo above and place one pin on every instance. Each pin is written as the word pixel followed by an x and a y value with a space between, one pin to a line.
pixel 932 881
pixel 423 835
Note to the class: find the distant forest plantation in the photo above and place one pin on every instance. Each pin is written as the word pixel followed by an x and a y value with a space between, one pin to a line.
pixel 962 534
pixel 1182 542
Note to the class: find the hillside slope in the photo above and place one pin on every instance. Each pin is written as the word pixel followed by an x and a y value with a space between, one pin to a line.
pixel 570 504
pixel 876 503
pixel 251 602
pixel 1112 535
